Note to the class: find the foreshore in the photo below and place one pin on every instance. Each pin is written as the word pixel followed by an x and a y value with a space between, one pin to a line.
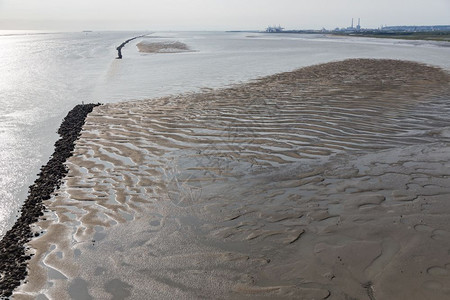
pixel 330 181
pixel 14 255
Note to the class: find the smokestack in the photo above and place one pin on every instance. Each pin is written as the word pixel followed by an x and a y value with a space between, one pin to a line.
pixel 359 23
pixel 352 22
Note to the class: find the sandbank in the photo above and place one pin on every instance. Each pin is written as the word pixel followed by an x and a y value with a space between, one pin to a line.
pixel 331 181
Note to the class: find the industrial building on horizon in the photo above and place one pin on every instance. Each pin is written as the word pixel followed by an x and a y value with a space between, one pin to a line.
pixel 274 29
pixel 358 28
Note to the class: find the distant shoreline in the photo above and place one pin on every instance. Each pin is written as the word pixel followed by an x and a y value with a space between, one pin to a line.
pixel 439 36
pixel 421 36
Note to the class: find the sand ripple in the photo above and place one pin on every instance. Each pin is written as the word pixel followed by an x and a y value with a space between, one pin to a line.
pixel 331 180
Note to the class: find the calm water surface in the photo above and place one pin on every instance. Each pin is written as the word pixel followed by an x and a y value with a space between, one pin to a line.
pixel 42 76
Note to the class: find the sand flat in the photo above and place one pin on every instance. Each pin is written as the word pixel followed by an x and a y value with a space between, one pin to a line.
pixel 331 181
pixel 148 46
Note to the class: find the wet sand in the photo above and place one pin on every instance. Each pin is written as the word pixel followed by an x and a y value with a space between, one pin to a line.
pixel 329 182
pixel 13 253
pixel 147 46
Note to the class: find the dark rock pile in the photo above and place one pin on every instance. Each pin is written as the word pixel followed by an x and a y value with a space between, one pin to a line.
pixel 119 49
pixel 13 257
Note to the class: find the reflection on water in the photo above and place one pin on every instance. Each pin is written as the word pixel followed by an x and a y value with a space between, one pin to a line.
pixel 43 76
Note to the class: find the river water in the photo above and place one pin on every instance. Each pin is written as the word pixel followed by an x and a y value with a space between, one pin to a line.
pixel 43 75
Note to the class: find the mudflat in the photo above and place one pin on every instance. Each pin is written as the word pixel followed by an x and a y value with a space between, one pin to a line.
pixel 146 46
pixel 331 181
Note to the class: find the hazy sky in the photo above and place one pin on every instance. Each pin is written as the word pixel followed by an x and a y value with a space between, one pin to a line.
pixel 217 14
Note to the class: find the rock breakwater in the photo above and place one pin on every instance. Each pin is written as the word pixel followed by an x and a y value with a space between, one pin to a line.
pixel 13 254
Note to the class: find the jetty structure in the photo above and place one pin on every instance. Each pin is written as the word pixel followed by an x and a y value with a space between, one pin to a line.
pixel 119 48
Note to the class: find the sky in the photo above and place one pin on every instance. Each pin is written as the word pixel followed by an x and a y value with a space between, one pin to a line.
pixel 217 14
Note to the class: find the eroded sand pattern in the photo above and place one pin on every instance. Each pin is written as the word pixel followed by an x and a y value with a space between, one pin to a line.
pixel 327 182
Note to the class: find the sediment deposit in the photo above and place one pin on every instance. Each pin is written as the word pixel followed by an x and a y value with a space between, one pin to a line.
pixel 331 181
pixel 147 46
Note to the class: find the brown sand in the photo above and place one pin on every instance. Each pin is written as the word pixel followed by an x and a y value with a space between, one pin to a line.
pixel 162 47
pixel 331 181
